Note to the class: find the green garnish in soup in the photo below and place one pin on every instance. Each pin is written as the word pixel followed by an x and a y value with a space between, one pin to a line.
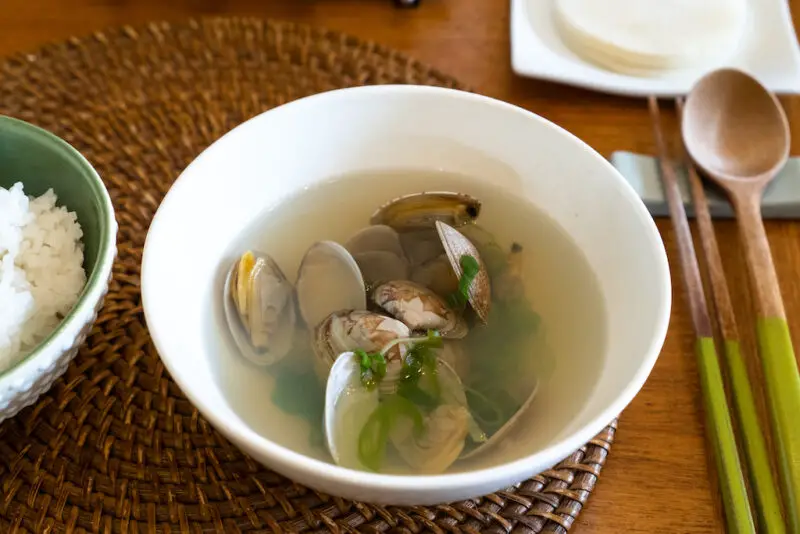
pixel 470 268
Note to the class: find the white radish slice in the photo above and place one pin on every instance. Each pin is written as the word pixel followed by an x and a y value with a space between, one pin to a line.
pixel 644 37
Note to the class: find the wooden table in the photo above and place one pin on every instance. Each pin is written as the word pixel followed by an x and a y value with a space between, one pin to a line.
pixel 658 476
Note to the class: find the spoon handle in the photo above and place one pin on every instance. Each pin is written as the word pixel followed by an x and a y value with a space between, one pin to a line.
pixel 777 354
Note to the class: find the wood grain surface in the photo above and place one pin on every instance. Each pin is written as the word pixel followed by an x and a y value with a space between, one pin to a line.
pixel 657 476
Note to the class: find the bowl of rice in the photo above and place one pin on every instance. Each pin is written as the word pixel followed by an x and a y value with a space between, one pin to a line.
pixel 57 246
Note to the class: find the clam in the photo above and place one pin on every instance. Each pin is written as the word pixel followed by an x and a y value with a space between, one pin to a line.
pixel 493 255
pixel 348 407
pixel 328 280
pixel 378 253
pixel 379 266
pixel 421 246
pixel 509 283
pixel 420 210
pixel 378 237
pixel 454 355
pixel 259 308
pixel 419 308
pixel 439 444
pixel 349 330
pixel 497 436
pixel 360 422
pixel 426 223
pixel 437 275
pixel 446 428
pixel 480 236
pixel 456 245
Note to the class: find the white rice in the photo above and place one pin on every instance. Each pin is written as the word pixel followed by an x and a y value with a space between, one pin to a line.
pixel 41 270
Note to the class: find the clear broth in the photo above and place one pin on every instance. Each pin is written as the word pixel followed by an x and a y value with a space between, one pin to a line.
pixel 285 403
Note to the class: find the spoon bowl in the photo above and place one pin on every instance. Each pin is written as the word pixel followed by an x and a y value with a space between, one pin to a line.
pixel 734 128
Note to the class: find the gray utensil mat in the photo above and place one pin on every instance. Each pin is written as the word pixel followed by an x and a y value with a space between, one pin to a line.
pixel 781 199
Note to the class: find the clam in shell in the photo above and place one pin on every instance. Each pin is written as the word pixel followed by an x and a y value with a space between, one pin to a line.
pixel 379 254
pixel 493 255
pixel 419 308
pixel 437 275
pixel 348 330
pixel 377 237
pixel 420 210
pixel 328 280
pixel 429 442
pixel 441 442
pixel 379 266
pixel 454 355
pixel 509 283
pixel 445 431
pixel 259 308
pixel 348 407
pixel 457 245
pixel 504 430
pixel 421 246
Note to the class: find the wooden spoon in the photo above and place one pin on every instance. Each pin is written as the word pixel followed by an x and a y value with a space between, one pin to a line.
pixel 737 132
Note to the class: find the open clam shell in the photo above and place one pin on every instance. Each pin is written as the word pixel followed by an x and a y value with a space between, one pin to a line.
pixel 454 355
pixel 503 431
pixel 377 237
pixel 328 280
pixel 259 308
pixel 457 245
pixel 348 407
pixel 509 283
pixel 441 442
pixel 428 442
pixel 349 330
pixel 419 308
pixel 421 246
pixel 378 253
pixel 379 266
pixel 492 254
pixel 420 210
pixel 445 430
pixel 437 275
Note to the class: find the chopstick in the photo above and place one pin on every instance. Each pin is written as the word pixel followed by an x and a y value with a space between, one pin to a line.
pixel 762 483
pixel 720 429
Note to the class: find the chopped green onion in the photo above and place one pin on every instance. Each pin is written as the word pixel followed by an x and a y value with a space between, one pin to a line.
pixel 491 406
pixel 366 362
pixel 470 269
pixel 420 359
pixel 374 434
pixel 372 438
pixel 481 404
pixel 373 367
pixel 470 265
pixel 373 364
pixel 418 396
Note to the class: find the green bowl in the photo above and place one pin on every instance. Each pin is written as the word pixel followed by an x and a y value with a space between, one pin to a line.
pixel 42 161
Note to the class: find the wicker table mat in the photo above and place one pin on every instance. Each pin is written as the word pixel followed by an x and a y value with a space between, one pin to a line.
pixel 114 446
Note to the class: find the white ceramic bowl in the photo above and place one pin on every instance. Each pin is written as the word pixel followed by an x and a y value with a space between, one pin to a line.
pixel 263 162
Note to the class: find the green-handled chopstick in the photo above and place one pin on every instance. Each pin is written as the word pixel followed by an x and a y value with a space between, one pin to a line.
pixel 762 483
pixel 720 429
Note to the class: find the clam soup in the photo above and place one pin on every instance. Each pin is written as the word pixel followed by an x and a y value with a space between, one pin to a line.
pixel 407 322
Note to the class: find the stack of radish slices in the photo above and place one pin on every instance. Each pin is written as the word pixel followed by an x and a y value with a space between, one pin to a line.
pixel 652 37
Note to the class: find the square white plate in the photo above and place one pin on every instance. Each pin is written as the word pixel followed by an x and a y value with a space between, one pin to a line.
pixel 769 52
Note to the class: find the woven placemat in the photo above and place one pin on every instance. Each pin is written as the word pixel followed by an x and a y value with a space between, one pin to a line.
pixel 114 446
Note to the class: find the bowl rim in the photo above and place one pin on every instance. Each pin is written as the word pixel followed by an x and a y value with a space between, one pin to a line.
pixel 96 281
pixel 279 457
